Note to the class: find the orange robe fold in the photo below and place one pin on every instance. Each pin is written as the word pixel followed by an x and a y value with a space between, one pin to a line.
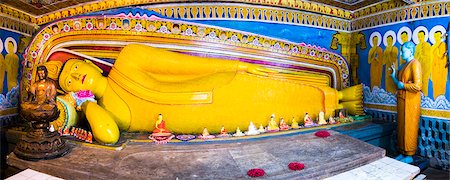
pixel 408 107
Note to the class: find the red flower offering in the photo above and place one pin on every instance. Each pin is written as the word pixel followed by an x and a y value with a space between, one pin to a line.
pixel 296 166
pixel 322 134
pixel 255 172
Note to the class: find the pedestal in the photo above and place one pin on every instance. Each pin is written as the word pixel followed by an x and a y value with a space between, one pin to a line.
pixel 39 142
pixel 323 157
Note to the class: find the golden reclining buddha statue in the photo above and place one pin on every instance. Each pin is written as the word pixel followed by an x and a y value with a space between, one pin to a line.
pixel 192 93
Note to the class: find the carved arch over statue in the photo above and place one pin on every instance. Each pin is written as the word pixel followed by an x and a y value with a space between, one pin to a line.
pixel 101 37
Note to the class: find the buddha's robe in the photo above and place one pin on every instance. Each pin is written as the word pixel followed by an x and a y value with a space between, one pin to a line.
pixel 376 66
pixel 408 107
pixel 423 55
pixel 2 71
pixel 390 56
pixel 145 82
pixel 12 69
pixel 439 72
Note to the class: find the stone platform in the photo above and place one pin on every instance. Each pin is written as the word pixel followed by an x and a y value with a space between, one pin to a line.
pixel 323 157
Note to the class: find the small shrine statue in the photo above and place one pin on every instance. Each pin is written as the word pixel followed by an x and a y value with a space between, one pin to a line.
pixel 160 134
pixel 160 125
pixel 40 108
pixel 322 120
pixel 283 125
pixel 252 130
pixel 42 94
pixel 205 135
pixel 331 120
pixel 223 133
pixel 294 124
pixel 273 126
pixel 409 84
pixel 341 115
pixel 308 121
pixel 238 133
pixel 261 129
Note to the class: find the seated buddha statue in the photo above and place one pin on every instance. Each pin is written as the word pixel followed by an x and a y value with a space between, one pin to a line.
pixel 308 121
pixel 194 92
pixel 273 126
pixel 160 125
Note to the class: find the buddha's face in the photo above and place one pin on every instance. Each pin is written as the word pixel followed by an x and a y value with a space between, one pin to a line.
pixel 375 41
pixel 79 75
pixel 389 40
pixel 41 74
pixel 421 36
pixel 406 53
pixel 10 47
pixel 437 36
pixel 404 37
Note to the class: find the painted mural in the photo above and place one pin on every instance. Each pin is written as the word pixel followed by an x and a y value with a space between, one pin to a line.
pixel 430 51
pixel 380 92
pixel 11 47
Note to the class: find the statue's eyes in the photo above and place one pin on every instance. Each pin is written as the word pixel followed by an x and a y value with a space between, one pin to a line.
pixel 76 67
pixel 69 82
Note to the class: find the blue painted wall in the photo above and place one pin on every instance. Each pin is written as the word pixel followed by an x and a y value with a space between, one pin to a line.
pixel 9 99
pixel 364 67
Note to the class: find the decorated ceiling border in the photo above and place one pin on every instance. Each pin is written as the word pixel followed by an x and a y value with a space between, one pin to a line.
pixel 408 13
pixel 138 22
pixel 16 21
pixel 111 4
pixel 246 12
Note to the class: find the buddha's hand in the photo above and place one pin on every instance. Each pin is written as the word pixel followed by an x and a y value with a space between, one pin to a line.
pixel 255 69
pixel 393 70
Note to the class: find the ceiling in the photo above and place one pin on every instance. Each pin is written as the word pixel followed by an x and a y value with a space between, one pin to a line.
pixel 40 7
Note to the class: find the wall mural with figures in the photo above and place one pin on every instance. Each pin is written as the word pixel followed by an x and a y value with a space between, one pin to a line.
pixel 385 43
pixel 11 47
pixel 384 50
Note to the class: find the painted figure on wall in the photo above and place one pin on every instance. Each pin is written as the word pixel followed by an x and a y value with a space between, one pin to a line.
pixel 390 57
pixel 404 34
pixel 12 62
pixel 439 72
pixel 409 84
pixel 423 55
pixel 2 66
pixel 375 60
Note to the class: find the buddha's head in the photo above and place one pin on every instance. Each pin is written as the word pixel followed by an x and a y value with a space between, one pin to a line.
pixel 79 75
pixel 42 72
pixel 375 41
pixel 10 47
pixel 390 40
pixel 408 50
pixel 421 36
pixel 437 36
pixel 404 36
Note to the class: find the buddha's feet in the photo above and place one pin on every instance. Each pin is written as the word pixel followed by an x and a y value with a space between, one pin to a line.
pixel 407 159
pixel 400 157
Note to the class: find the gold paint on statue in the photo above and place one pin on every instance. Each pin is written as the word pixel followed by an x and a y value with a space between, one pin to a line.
pixel 408 106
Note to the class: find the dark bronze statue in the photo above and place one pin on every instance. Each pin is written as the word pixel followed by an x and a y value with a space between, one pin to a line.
pixel 40 108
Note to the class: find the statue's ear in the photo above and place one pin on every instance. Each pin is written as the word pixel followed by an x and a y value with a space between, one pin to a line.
pixel 93 65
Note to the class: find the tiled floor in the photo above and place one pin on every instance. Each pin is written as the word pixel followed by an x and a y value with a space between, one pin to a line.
pixel 30 174
pixel 383 169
